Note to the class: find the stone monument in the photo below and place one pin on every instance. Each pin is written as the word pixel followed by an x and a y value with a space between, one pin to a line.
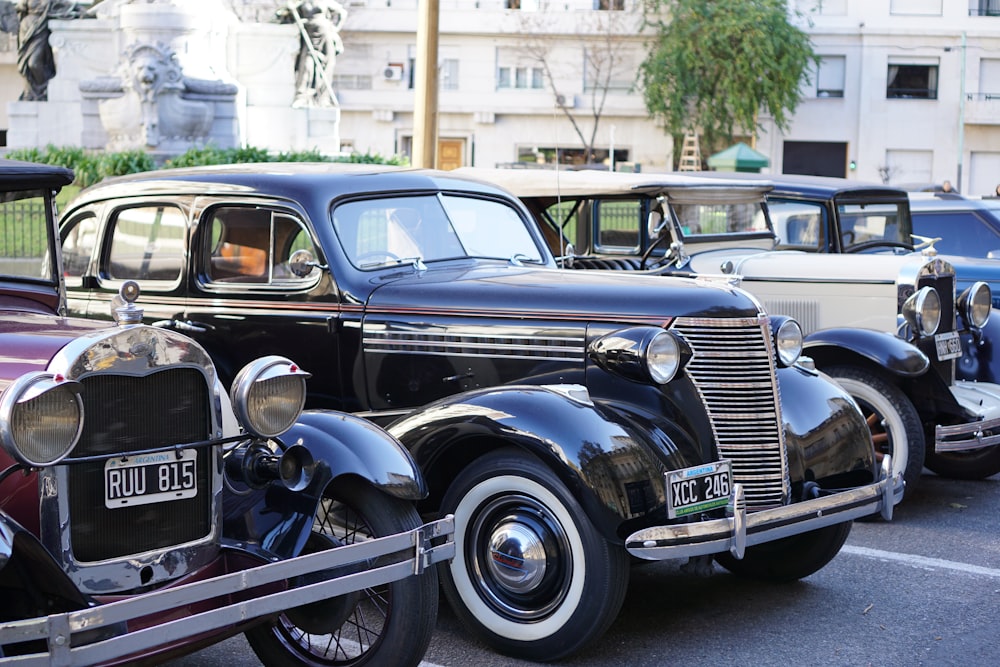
pixel 167 75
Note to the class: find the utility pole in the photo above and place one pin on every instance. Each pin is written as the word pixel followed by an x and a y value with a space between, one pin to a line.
pixel 425 101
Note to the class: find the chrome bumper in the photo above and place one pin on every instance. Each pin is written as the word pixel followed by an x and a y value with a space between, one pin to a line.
pixel 412 552
pixel 979 398
pixel 742 529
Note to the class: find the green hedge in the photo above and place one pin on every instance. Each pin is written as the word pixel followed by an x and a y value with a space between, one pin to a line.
pixel 91 167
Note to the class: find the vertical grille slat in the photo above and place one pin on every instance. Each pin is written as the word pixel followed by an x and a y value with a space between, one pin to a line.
pixel 126 414
pixel 732 368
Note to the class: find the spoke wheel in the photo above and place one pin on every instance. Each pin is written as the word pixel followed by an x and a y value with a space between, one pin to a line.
pixel 894 423
pixel 389 624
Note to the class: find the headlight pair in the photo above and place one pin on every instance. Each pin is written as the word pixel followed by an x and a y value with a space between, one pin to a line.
pixel 922 309
pixel 41 413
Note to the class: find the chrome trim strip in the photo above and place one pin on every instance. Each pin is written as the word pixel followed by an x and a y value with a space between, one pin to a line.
pixel 466 345
pixel 743 529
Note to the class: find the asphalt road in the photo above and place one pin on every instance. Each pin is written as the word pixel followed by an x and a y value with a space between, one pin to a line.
pixel 921 590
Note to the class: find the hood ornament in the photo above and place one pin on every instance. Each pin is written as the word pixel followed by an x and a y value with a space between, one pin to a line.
pixel 123 308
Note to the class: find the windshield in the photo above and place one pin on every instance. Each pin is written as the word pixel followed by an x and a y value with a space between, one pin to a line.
pixel 25 237
pixel 871 224
pixel 720 218
pixel 392 230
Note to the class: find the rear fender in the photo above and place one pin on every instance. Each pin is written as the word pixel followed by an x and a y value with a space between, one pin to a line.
pixel 612 462
pixel 342 446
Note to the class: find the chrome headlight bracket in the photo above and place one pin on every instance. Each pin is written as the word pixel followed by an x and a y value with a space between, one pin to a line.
pixel 268 395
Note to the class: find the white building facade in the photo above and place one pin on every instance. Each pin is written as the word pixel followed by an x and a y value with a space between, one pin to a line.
pixel 907 91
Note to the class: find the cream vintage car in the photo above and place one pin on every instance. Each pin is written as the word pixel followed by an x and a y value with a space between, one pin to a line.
pixel 887 326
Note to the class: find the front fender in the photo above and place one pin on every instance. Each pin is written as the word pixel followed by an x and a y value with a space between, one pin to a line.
pixel 280 519
pixel 827 438
pixel 612 463
pixel 834 346
pixel 33 583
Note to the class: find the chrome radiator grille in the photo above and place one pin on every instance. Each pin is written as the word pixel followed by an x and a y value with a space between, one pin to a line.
pixel 125 414
pixel 733 371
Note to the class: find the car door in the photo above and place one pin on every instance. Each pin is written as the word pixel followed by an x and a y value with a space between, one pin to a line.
pixel 259 285
pixel 142 240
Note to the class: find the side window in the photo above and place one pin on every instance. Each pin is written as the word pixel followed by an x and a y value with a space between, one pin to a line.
pixel 797 224
pixel 256 246
pixel 79 237
pixel 617 224
pixel 960 233
pixel 147 243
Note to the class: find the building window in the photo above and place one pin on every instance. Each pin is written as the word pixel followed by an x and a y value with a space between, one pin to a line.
pixel 448 74
pixel 520 77
pixel 912 82
pixel 830 76
pixel 616 5
pixel 985 8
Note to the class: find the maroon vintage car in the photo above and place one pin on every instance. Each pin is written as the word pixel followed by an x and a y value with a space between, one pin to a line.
pixel 145 512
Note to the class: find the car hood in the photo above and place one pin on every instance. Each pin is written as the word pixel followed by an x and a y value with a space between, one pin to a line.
pixel 805 266
pixel 562 294
pixel 28 340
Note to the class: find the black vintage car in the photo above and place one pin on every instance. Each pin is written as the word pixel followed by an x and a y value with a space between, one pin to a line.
pixel 146 513
pixel 567 420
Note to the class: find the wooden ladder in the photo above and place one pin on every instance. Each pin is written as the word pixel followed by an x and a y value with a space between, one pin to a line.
pixel 690 154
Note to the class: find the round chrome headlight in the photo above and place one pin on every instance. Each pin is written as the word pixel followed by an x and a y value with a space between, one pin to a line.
pixel 268 395
pixel 922 311
pixel 41 419
pixel 663 357
pixel 975 305
pixel 788 342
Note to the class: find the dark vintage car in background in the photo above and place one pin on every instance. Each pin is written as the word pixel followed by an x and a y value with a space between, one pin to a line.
pixel 566 419
pixel 886 326
pixel 146 513
pixel 968 227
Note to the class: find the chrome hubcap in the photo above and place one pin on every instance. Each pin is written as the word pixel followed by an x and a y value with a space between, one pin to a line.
pixel 520 556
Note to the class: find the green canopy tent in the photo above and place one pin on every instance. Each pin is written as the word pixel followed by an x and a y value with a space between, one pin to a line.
pixel 738 157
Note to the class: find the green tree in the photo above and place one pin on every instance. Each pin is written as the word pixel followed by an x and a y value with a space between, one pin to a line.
pixel 715 65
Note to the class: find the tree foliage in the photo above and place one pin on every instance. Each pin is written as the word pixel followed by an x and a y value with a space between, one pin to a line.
pixel 715 65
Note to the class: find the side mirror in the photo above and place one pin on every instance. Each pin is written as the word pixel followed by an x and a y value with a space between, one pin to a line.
pixel 301 263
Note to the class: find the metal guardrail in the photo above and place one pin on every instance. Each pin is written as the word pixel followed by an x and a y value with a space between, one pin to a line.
pixel 58 629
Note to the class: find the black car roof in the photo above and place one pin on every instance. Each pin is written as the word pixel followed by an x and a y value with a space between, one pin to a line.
pixel 17 175
pixel 301 181
pixel 930 202
pixel 819 187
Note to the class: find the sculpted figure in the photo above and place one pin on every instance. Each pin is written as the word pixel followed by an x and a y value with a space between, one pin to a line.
pixel 35 61
pixel 319 23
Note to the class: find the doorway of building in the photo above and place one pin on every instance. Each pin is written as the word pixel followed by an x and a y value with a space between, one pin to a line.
pixel 450 154
pixel 815 158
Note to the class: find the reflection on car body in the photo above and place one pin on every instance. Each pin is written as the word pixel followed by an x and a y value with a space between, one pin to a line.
pixel 568 421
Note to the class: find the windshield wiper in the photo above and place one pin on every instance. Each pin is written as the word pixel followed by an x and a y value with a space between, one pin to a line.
pixel 519 258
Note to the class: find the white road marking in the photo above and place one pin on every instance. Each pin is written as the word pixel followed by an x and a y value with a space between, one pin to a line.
pixel 922 561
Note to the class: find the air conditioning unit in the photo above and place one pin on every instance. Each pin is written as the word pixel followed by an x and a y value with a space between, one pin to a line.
pixel 566 101
pixel 393 72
